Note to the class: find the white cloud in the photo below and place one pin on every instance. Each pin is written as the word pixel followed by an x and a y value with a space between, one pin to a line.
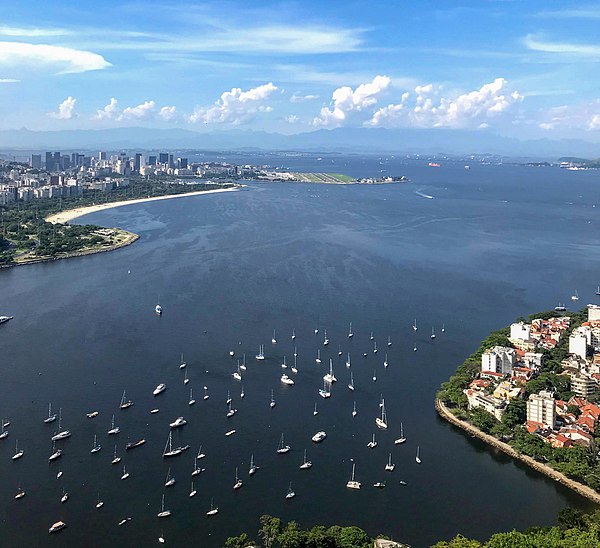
pixel 302 98
pixel 584 116
pixel 236 106
pixel 167 113
pixel 346 101
pixel 535 44
pixel 471 109
pixel 67 60
pixel 292 119
pixel 66 110
pixel 594 122
pixel 139 112
pixel 31 32
pixel 108 112
pixel 8 81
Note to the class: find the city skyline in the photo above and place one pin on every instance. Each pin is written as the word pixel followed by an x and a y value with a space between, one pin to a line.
pixel 521 70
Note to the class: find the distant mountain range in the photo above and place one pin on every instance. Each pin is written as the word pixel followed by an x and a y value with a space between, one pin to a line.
pixel 399 141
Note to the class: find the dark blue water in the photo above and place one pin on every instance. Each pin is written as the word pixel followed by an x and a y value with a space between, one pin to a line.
pixel 492 243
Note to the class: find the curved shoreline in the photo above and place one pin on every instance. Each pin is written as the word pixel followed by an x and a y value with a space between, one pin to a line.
pixel 579 488
pixel 71 214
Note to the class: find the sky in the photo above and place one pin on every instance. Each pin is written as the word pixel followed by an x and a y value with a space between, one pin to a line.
pixel 521 68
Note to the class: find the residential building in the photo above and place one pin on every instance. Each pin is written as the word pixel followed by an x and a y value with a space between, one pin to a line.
pixel 541 409
pixel 583 385
pixel 499 359
pixel 579 341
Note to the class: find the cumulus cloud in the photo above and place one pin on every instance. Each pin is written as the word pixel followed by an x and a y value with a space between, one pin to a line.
pixel 584 116
pixel 66 110
pixel 108 112
pixel 594 122
pixel 140 112
pixel 427 109
pixel 236 106
pixel 292 119
pixel 167 113
pixel 67 60
pixel 8 81
pixel 345 102
pixel 302 98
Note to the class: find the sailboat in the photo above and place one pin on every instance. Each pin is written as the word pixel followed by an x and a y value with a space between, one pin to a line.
pixel 295 351
pixel 56 453
pixel 575 296
pixel 316 331
pixel 415 325
pixel 352 483
pixel 62 434
pixel 65 496
pixel 192 490
pixel 295 366
pixel 51 417
pixel 169 481
pixel 417 458
pixel 306 464
pixel 243 366
pixel 197 470
pixel 253 467
pixel 96 447
pixel 401 439
pixel 598 290
pixel 113 429
pixel 158 309
pixel 315 412
pixel 432 333
pixel 415 347
pixel 168 450
pixel 230 411
pixel 213 509
pixel 318 359
pixel 354 412
pixel 272 404
pixel 351 383
pixel 348 364
pixel 183 364
pixel 325 392
pixel 20 494
pixel 374 347
pixel 163 513
pixel 18 452
pixel 283 448
pixel 389 341
pixel 381 421
pixel 4 432
pixel 340 353
pixel 124 402
pixel 237 375
pixel 99 503
pixel 290 493
pixel 185 378
pixel 389 467
pixel 330 377
pixel 238 482
pixel 191 401
pixel 374 375
pixel 443 330
pixel 125 474
pixel 284 364
pixel 116 458
pixel 261 353
pixel 201 455
pixel 273 340
pixel 372 444
pixel 242 392
pixel 350 334
pixel 385 361
pixel 206 396
pixel 325 340
pixel 293 334
pixel 372 337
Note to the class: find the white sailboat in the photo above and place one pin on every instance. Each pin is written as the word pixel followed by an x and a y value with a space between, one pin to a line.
pixel 325 392
pixel 372 337
pixel 185 377
pixel 295 351
pixel 65 496
pixel 354 412
pixel 230 411
pixel 253 467
pixel 62 434
pixel 372 444
pixel 163 513
pixel 381 421
pixel 325 340
pixel 96 447
pixel 385 361
pixel 168 451
pixel 183 363
pixel 316 331
pixel 191 401
pixel 116 459
pixel 192 490
pixel 351 383
pixel 272 404
pixel 374 347
pixel 290 492
pixel 125 474
pixel 243 366
pixel 273 340
pixel 432 332
pixel 284 364
pixel 99 503
pixel 330 377
pixel 201 455
pixel 389 341
pixel 575 296
pixel 237 375
pixel 18 452
pixel 238 482
pixel 242 392
pixel 206 396
pixel 56 453
pixel 125 403
pixel 352 483
pixel 169 481
pixel 415 347
pixel 261 353
pixel 295 366
pixel 293 334
pixel 443 330
pixel 418 458
pixel 283 448
pixel 350 334
pixel 315 412
pixel 159 389
pixel 213 509
pixel 51 417
pixel 318 359
pixel 340 353
pixel 374 375
pixel 389 467
pixel 4 432
pixel 415 325
pixel 401 439
pixel 113 429
pixel 306 464
pixel 196 469
pixel 348 364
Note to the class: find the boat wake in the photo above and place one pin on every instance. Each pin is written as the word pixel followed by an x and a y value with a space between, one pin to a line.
pixel 423 195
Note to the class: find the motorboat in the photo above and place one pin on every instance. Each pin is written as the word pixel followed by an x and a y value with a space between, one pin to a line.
pixel 159 389
pixel 319 436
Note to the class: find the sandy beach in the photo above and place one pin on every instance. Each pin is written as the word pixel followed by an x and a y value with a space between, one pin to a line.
pixel 70 214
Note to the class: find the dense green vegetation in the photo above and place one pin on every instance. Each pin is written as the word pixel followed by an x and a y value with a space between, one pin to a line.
pixel 274 534
pixel 24 229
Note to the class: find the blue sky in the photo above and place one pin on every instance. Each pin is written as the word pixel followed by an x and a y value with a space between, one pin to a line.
pixel 522 67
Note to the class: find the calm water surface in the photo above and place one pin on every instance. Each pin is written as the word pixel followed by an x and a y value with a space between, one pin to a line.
pixel 492 243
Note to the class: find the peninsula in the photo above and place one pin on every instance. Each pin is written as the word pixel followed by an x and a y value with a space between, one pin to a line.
pixel 531 390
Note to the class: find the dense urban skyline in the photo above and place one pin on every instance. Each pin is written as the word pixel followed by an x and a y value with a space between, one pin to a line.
pixel 521 69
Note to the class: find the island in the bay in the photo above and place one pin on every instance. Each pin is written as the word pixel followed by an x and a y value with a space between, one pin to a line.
pixel 532 390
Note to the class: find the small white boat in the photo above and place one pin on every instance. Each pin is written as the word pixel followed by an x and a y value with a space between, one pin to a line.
pixel 389 341
pixel 96 447
pixel 20 494
pixel 92 414
pixel 443 330
pixel 261 353
pixel 58 526
pixel 325 340
pixel 238 482
pixel 159 389
pixel 193 491
pixel 206 396
pixel 318 358
pixel 372 444
pixel 272 404
pixel 350 334
pixel 243 365
pixel 325 392
pixel 351 383
pixel 125 403
pixel 113 429
pixel 295 352
pixel 290 493
pixel 232 353
pixel 374 347
pixel 125 473
pixel 200 455
pixel 163 513
pixel 295 366
pixel 124 521
pixel 169 481
pixel 158 309
pixel 51 417
pixel 116 459
pixel 354 412
pixel 273 340
pixel 99 503
pixel 230 411
pixel 374 375
pixel 62 434
pixel 183 363
pixel 191 401
pixel 319 436
pixel 56 453
pixel 340 353
pixel 432 333
pixel 242 392
pixel 18 452
pixel 415 347
pixel 315 412
pixel 65 496
pixel 381 421
pixel 306 464
pixel 283 364
pixel 330 377
pixel 196 471
pixel 293 334
pixel 168 450
pixel 418 458
pixel 286 380
pixel 389 467
pixel 316 331
pixel 385 361
pixel 3 433
pixel 237 375
pixel 185 377
pixel 372 337
pixel 415 325
pixel 179 421
pixel 253 467
pixel 401 439
pixel 59 475
pixel 213 509
pixel 352 483
pixel 154 411
pixel 379 484
pixel 560 307
pixel 348 364
pixel 575 296
pixel 230 433
pixel 283 448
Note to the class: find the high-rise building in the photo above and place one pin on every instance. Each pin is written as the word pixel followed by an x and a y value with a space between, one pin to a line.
pixel 65 162
pixel 182 163
pixel 171 161
pixel 163 158
pixel 36 161
pixel 151 160
pixel 541 408
pixel 49 165
pixel 101 155
pixel 137 162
